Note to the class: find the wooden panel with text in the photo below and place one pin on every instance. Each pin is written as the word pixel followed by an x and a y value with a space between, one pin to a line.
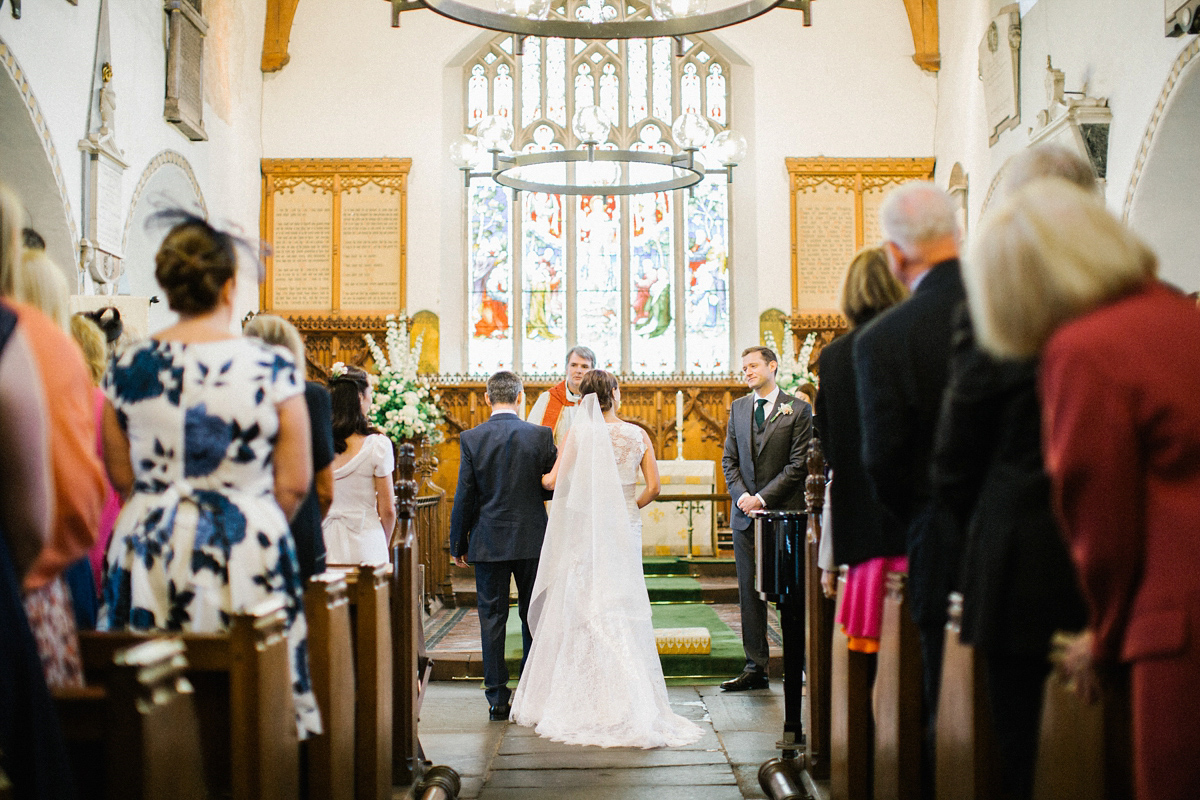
pixel 834 213
pixel 337 232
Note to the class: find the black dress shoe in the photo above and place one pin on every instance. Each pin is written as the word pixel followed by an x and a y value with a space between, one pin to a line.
pixel 499 713
pixel 749 679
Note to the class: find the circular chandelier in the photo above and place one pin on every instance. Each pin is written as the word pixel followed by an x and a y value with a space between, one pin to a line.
pixel 598 168
pixel 596 19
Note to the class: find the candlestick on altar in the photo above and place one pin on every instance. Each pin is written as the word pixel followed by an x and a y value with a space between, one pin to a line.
pixel 679 426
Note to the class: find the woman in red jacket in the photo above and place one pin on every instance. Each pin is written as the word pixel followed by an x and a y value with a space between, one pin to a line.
pixel 1054 274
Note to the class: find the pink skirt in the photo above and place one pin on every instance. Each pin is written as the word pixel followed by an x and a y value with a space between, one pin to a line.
pixel 862 607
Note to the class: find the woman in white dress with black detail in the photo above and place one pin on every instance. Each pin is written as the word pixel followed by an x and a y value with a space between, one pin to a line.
pixel 593 675
pixel 363 513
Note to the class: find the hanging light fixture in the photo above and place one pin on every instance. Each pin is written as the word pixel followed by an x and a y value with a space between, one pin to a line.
pixel 598 168
pixel 599 19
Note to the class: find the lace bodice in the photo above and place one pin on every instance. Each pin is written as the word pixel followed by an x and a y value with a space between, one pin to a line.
pixel 629 445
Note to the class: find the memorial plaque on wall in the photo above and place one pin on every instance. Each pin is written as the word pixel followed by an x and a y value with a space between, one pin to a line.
pixel 302 249
pixel 336 228
pixel 371 246
pixel 825 242
pixel 835 213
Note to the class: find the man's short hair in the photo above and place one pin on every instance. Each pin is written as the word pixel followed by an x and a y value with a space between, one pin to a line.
pixel 1048 161
pixel 582 352
pixel 767 353
pixel 917 213
pixel 504 388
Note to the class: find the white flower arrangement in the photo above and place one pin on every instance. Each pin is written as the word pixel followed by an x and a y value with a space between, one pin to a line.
pixel 793 369
pixel 402 405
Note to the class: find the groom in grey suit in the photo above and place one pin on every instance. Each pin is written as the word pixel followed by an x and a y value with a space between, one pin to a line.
pixel 499 521
pixel 766 444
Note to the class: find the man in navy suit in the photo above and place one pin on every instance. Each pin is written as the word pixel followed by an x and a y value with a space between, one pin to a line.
pixel 499 521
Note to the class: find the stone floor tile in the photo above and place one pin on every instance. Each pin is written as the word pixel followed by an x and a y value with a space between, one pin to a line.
pixel 467 753
pixel 602 779
pixel 610 758
pixel 616 793
pixel 749 747
pixel 760 710
pixel 516 744
pixel 747 780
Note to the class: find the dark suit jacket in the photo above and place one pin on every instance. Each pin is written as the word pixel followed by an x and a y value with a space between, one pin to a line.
pixel 772 463
pixel 1017 579
pixel 499 512
pixel 862 528
pixel 902 362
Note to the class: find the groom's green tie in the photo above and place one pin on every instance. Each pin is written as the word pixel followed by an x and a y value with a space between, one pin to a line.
pixel 760 412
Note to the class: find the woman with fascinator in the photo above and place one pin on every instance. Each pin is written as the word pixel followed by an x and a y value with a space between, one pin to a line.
pixel 206 435
pixel 593 676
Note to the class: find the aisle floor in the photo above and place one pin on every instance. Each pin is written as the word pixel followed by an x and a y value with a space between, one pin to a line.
pixel 502 761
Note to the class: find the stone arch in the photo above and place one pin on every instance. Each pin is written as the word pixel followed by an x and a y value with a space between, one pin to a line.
pixel 1161 199
pixel 30 166
pixel 168 181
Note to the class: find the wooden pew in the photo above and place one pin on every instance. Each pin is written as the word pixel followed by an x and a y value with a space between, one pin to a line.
pixel 243 700
pixel 966 759
pixel 136 734
pixel 898 699
pixel 852 725
pixel 369 592
pixel 331 666
pixel 1085 752
pixel 818 624
pixel 411 664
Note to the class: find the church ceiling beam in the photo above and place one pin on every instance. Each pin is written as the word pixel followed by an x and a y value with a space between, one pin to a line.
pixel 276 31
pixel 923 19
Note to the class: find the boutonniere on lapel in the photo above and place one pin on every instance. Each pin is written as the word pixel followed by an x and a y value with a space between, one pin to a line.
pixel 784 410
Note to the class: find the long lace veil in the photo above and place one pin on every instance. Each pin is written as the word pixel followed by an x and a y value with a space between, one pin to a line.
pixel 587 561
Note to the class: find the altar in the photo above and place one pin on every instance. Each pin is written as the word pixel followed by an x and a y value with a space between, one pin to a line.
pixel 665 524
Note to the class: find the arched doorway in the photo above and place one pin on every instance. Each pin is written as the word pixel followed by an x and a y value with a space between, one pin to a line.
pixel 167 182
pixel 1161 201
pixel 29 166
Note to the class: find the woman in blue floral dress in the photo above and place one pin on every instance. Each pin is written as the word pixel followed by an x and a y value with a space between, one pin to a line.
pixel 207 435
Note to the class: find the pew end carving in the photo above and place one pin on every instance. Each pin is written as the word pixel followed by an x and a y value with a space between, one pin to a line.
pixel 136 734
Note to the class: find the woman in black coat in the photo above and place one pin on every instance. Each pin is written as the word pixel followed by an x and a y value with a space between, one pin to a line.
pixel 864 532
pixel 1016 578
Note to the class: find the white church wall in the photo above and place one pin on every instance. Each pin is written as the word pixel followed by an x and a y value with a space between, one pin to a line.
pixel 1117 47
pixel 357 88
pixel 55 44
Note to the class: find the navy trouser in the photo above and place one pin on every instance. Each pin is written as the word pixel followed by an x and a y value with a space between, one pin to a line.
pixel 491 592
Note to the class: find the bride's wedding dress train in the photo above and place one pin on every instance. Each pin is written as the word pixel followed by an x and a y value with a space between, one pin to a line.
pixel 593 675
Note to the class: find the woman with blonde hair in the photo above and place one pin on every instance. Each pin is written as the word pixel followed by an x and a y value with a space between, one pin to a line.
pixel 866 536
pixel 39 282
pixel 1054 274
pixel 92 342
pixel 306 525
pixel 32 753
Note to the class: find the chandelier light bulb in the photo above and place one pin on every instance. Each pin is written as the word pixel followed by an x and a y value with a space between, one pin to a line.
pixel 529 9
pixel 729 147
pixel 468 152
pixel 691 131
pixel 674 9
pixel 591 124
pixel 495 131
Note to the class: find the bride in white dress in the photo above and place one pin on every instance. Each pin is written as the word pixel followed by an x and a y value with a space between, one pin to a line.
pixel 593 676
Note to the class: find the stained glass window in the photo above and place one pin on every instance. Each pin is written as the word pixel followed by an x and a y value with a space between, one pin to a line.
pixel 643 280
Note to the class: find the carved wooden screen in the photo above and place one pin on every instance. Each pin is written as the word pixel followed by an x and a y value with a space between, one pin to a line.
pixel 337 232
pixel 835 213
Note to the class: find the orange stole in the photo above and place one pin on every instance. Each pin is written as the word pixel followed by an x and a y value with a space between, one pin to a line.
pixel 558 401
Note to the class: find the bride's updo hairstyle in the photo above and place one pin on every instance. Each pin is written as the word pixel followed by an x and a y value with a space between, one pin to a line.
pixel 600 383
pixel 193 264
pixel 345 395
